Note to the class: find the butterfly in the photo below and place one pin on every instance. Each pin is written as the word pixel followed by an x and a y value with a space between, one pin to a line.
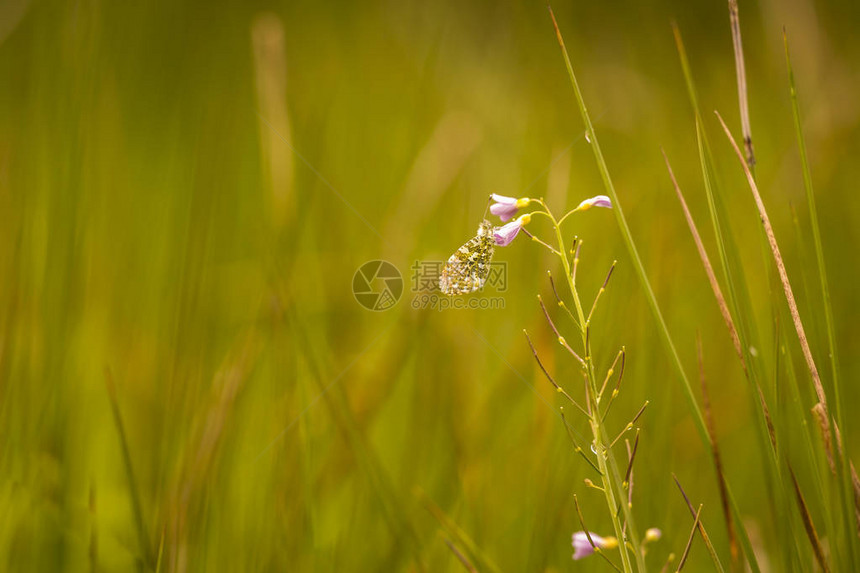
pixel 467 269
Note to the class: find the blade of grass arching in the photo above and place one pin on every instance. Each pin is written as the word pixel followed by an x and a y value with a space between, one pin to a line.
pixel 729 254
pixel 789 293
pixel 803 264
pixel 705 158
pixel 737 294
pixel 666 338
pixel 628 240
pixel 816 239
pixel 137 508
pixel 746 130
pixel 816 234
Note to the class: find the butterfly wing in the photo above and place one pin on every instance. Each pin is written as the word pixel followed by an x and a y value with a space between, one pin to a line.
pixel 467 269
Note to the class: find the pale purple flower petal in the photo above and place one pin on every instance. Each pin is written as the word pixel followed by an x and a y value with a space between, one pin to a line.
pixel 506 207
pixel 505 234
pixel 503 211
pixel 596 201
pixel 503 199
pixel 581 546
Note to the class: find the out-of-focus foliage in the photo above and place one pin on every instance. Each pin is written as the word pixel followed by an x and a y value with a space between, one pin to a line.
pixel 187 188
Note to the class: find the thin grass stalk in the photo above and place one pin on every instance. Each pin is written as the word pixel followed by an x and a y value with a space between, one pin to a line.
pixel 703 532
pixel 740 69
pixel 808 525
pixel 816 235
pixel 724 308
pixel 137 507
pixel 460 557
pixel 706 160
pixel 783 275
pixel 690 540
pixel 743 107
pixel 737 295
pixel 709 269
pixel 93 549
pixel 738 300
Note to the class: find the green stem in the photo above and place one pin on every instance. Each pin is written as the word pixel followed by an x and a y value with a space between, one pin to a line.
pixel 610 475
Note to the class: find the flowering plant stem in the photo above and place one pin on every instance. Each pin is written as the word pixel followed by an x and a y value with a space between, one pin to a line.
pixel 613 485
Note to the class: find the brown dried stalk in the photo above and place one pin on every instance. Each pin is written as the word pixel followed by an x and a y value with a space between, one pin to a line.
pixel 783 275
pixel 740 68
pixel 808 525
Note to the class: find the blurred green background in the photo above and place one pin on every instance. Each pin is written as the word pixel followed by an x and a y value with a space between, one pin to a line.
pixel 186 189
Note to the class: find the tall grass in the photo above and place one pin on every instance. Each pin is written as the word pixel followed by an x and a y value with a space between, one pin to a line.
pixel 187 188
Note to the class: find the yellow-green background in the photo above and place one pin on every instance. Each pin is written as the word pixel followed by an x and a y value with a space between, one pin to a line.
pixel 153 226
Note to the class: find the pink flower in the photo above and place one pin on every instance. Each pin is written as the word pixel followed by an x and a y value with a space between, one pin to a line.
pixel 505 234
pixel 582 548
pixel 596 201
pixel 506 207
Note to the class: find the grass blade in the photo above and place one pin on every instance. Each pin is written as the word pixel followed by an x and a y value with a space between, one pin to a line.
pixel 816 237
pixel 705 537
pixel 783 275
pixel 690 539
pixel 137 508
pixel 628 240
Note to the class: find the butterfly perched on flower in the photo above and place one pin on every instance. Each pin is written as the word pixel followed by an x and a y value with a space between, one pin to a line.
pixel 467 269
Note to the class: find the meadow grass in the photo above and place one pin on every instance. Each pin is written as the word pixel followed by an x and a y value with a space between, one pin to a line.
pixel 187 382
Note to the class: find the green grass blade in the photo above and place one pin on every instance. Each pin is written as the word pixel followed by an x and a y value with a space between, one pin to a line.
pixel 137 508
pixel 845 489
pixel 631 246
pixel 816 238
